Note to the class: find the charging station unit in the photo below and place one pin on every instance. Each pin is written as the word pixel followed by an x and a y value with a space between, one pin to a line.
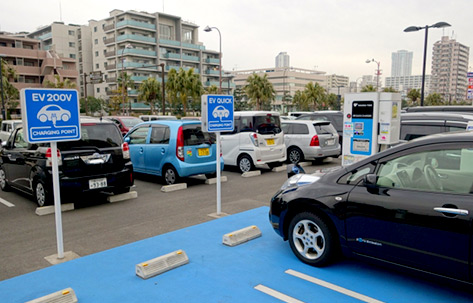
pixel 371 122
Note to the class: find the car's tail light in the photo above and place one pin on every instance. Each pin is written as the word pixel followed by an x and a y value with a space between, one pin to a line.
pixel 315 141
pixel 49 158
pixel 126 150
pixel 254 139
pixel 180 144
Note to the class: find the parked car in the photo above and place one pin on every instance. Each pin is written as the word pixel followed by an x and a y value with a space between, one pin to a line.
pixel 147 118
pixel 99 161
pixel 125 123
pixel 173 149
pixel 334 116
pixel 294 115
pixel 466 109
pixel 418 124
pixel 310 140
pixel 256 140
pixel 410 205
pixel 8 126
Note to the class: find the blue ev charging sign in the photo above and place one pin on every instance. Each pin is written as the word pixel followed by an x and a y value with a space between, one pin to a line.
pixel 50 115
pixel 217 113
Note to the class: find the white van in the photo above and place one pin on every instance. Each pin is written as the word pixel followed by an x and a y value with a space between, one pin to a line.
pixel 147 118
pixel 257 140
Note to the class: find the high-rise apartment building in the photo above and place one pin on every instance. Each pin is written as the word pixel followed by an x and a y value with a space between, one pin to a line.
pixel 401 63
pixel 282 60
pixel 449 69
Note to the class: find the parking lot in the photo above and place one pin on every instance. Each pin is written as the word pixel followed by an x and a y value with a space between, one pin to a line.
pixel 262 270
pixel 112 238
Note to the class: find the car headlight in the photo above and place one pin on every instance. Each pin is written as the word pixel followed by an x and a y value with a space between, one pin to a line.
pixel 298 180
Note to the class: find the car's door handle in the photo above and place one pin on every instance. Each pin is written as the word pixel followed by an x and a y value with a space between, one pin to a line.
pixel 453 211
pixel 141 150
pixel 163 150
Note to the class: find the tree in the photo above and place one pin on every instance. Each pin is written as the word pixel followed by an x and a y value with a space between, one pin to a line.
pixel 212 89
pixel 300 101
pixel 196 90
pixel 10 93
pixel 150 92
pixel 259 91
pixel 315 95
pixel 368 88
pixel 172 88
pixel 433 99
pixel 241 100
pixel 93 104
pixel 67 83
pixel 124 81
pixel 332 102
pixel 413 95
pixel 389 90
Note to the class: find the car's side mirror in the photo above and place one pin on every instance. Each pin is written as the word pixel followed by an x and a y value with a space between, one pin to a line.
pixel 370 179
pixel 294 169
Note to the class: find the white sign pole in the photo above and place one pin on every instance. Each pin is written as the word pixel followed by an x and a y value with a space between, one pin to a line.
pixel 219 195
pixel 57 202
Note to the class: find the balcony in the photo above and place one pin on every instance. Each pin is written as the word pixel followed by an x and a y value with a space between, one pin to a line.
pixel 109 40
pixel 169 42
pixel 212 72
pixel 108 27
pixel 193 46
pixel 136 24
pixel 136 51
pixel 212 60
pixel 45 36
pixel 109 54
pixel 111 66
pixel 190 58
pixel 137 65
pixel 196 70
pixel 136 38
pixel 210 83
pixel 111 80
pixel 169 67
pixel 27 70
pixel 172 56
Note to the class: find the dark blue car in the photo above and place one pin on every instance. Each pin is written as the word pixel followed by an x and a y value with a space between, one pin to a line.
pixel 172 149
pixel 410 205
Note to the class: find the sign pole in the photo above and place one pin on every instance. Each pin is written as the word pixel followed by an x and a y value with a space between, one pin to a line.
pixel 219 195
pixel 57 202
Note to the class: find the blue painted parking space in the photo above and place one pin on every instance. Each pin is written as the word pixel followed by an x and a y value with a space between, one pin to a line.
pixel 262 270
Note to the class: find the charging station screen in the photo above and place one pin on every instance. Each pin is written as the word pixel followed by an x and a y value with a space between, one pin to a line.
pixel 362 119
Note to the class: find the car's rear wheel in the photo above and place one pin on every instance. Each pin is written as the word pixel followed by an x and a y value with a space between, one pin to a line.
pixel 3 180
pixel 170 175
pixel 41 196
pixel 295 155
pixel 245 164
pixel 311 240
pixel 211 176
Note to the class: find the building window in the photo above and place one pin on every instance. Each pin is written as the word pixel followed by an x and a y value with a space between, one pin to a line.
pixel 72 44
pixel 96 41
pixel 71 33
pixel 96 54
pixel 95 29
pixel 73 56
pixel 98 89
pixel 165 32
pixel 187 35
pixel 97 66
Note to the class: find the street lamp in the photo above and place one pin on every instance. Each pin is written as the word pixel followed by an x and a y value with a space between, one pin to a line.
pixel 415 29
pixel 163 95
pixel 378 72
pixel 128 46
pixel 1 88
pixel 208 29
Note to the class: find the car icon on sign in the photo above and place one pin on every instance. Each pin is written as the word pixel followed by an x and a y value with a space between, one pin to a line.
pixel 53 113
pixel 220 112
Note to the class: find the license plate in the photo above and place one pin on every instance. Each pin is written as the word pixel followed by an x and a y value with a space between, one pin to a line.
pixel 97 183
pixel 330 142
pixel 270 141
pixel 203 151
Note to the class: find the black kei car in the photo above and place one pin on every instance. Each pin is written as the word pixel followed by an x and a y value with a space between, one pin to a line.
pixel 99 161
pixel 410 205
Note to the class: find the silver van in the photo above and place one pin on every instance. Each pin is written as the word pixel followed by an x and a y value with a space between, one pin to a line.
pixel 257 140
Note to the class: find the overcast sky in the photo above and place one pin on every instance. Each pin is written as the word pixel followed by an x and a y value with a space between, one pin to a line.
pixel 335 36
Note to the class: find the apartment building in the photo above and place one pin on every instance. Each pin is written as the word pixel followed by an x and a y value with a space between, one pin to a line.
pixel 282 60
pixel 403 84
pixel 284 80
pixel 145 45
pixel 68 41
pixel 33 66
pixel 449 69
pixel 401 63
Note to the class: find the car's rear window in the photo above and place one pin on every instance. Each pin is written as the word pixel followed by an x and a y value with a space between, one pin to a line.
pixel 95 134
pixel 130 122
pixel 193 135
pixel 324 128
pixel 269 124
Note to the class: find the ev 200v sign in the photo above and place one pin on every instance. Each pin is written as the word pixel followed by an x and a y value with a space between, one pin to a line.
pixel 50 114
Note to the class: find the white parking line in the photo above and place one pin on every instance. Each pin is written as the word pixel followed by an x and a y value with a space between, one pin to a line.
pixel 332 286
pixel 276 294
pixel 6 203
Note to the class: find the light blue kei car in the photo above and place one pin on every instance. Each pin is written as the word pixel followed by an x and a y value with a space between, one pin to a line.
pixel 172 149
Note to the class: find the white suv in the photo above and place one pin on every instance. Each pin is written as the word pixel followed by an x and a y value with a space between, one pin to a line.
pixel 311 140
pixel 257 140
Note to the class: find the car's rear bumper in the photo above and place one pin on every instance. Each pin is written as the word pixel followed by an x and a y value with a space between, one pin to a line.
pixel 318 152
pixel 191 169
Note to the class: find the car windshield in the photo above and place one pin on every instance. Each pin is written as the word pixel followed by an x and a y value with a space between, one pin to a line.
pixel 193 135
pixel 98 135
pixel 130 122
pixel 269 124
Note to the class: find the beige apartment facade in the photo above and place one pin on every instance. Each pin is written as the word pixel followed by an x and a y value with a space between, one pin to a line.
pixel 34 66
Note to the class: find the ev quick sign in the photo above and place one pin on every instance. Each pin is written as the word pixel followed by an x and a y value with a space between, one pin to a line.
pixel 50 115
pixel 217 113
